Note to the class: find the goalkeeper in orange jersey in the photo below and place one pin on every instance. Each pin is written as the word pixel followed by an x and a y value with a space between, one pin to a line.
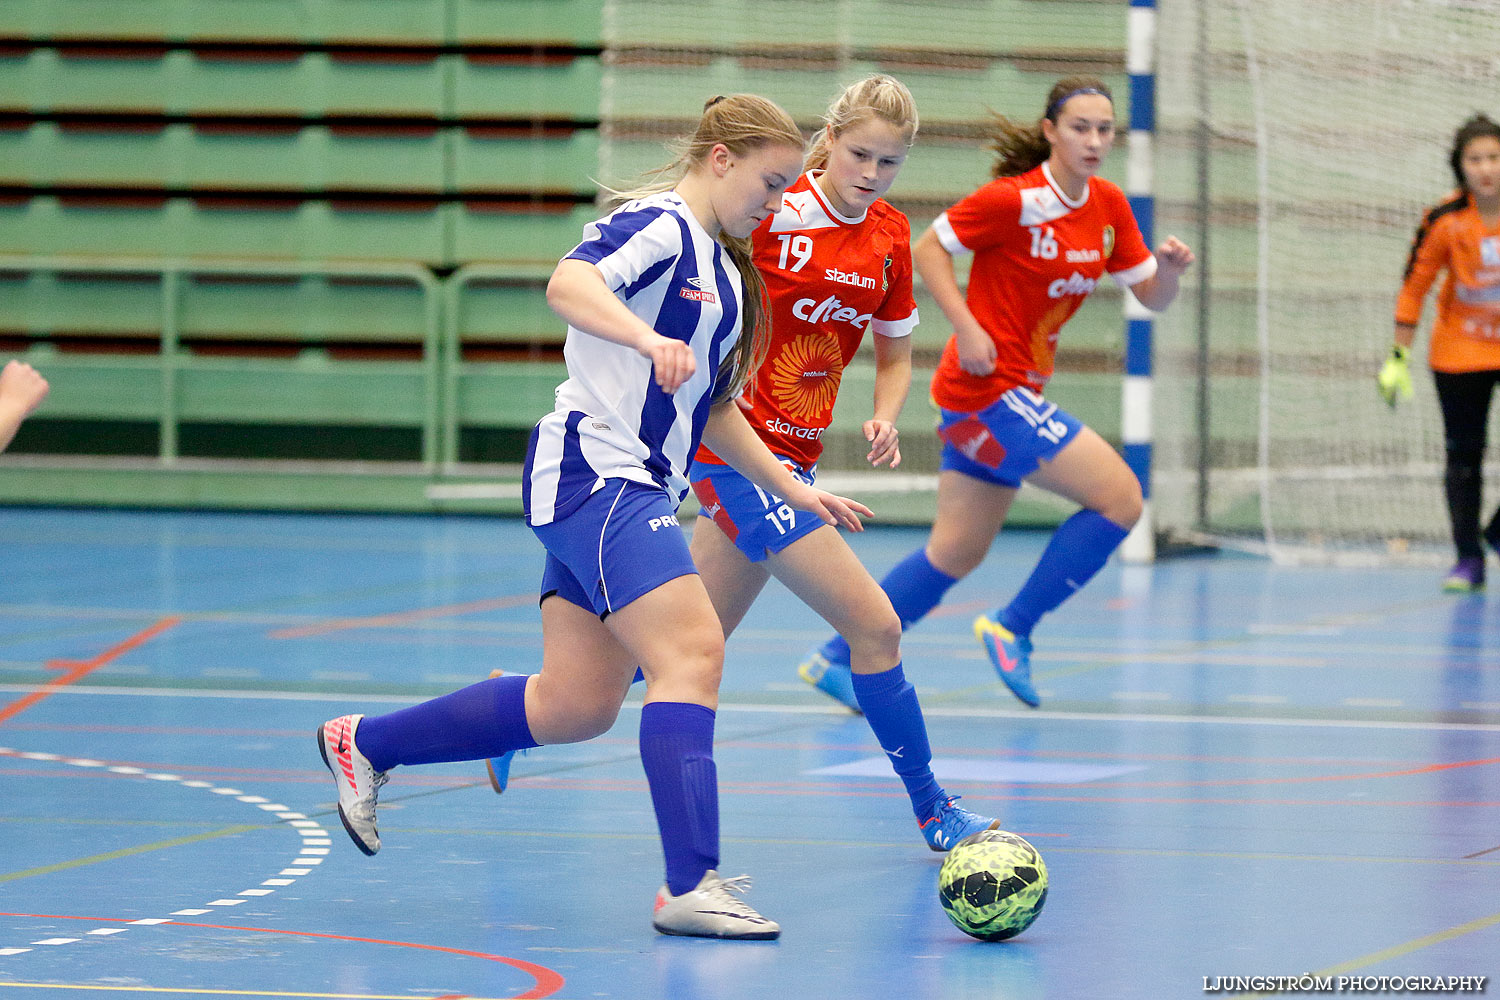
pixel 1460 235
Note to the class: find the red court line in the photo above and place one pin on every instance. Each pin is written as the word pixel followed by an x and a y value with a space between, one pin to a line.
pixel 399 618
pixel 548 982
pixel 78 669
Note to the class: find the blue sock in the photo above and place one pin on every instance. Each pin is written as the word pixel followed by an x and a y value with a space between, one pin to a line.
pixel 914 585
pixel 1078 549
pixel 890 706
pixel 479 721
pixel 677 751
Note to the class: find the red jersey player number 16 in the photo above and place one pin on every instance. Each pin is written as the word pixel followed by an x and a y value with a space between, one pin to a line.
pixel 1042 234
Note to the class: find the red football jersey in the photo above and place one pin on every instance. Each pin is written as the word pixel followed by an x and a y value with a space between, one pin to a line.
pixel 1037 256
pixel 830 278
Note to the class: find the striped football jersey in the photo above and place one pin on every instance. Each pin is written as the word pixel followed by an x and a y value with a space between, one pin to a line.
pixel 611 419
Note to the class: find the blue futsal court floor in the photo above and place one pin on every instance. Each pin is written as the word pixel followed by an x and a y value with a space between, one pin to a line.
pixel 1238 770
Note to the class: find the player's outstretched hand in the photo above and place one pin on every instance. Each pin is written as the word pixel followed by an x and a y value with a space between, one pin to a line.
pixel 841 512
pixel 885 442
pixel 671 360
pixel 1174 255
pixel 1394 379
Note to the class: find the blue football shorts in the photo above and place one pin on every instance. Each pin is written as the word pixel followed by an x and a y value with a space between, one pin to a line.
pixel 622 543
pixel 1006 441
pixel 757 522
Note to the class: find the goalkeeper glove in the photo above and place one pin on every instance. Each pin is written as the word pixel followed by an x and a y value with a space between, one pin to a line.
pixel 1395 376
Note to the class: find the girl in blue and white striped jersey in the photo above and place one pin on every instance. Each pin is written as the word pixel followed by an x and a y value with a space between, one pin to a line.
pixel 665 318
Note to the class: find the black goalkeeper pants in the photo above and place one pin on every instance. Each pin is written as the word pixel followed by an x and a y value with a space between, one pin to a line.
pixel 1465 399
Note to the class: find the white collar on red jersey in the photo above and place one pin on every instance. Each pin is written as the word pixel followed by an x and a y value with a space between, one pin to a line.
pixel 1052 181
pixel 833 213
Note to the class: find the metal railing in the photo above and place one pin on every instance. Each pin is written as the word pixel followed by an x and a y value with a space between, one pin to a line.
pixel 172 361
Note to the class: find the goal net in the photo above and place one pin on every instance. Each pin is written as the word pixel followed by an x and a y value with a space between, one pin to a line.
pixel 1299 142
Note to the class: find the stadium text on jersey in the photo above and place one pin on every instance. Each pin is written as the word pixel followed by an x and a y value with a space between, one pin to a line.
pixel 849 278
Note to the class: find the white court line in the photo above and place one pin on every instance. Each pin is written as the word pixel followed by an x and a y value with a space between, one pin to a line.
pixel 293 821
pixel 930 711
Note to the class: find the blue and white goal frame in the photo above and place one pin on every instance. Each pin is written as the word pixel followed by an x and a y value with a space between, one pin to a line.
pixel 1135 421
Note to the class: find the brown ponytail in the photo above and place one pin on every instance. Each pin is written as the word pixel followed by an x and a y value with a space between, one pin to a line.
pixel 1018 147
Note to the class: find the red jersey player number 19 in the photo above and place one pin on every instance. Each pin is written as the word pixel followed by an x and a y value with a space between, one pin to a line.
pixel 830 277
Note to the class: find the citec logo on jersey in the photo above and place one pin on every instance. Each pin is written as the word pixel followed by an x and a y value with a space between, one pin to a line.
pixel 698 293
pixel 830 309
pixel 849 278
pixel 667 521
pixel 1074 284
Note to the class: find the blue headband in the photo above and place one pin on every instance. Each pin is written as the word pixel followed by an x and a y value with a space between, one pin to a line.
pixel 1056 106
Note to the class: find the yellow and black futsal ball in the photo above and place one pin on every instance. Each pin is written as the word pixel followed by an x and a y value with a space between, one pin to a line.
pixel 992 885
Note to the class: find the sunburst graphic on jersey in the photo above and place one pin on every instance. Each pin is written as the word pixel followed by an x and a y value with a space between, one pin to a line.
pixel 805 376
pixel 1044 335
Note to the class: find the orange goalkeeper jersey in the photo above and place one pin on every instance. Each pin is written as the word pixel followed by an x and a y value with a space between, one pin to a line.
pixel 1453 238
pixel 830 278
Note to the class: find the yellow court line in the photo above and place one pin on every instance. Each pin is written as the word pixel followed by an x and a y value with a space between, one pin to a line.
pixel 1396 951
pixel 229 993
pixel 125 853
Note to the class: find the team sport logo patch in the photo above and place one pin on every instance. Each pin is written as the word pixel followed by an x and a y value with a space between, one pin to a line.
pixel 708 501
pixel 1109 241
pixel 698 293
pixel 974 439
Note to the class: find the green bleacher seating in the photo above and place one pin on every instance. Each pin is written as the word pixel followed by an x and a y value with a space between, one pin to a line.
pixel 536 22
pixel 309 21
pixel 527 85
pixel 241 156
pixel 508 232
